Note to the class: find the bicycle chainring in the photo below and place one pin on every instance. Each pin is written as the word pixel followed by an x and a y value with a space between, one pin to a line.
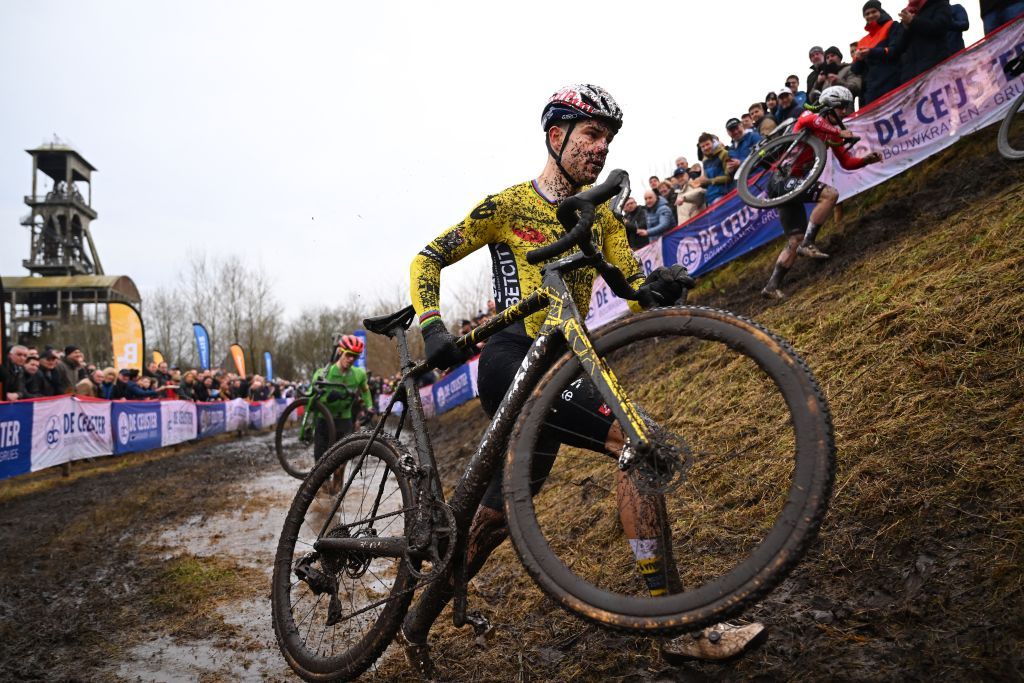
pixel 440 547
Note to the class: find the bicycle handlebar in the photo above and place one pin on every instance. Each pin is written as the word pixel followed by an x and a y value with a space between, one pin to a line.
pixel 577 213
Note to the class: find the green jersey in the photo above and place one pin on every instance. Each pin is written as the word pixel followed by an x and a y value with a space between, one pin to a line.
pixel 354 379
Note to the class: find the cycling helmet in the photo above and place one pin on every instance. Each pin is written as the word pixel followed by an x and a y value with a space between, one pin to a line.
pixel 575 103
pixel 836 96
pixel 351 344
pixel 581 101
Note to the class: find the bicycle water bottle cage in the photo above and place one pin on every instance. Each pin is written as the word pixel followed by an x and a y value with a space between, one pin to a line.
pixel 388 325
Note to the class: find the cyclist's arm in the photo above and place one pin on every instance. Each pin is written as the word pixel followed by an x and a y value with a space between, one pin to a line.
pixel 364 390
pixel 829 134
pixel 451 246
pixel 617 252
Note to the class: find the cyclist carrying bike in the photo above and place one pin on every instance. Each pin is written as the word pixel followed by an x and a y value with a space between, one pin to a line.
pixel 343 405
pixel 834 104
pixel 579 123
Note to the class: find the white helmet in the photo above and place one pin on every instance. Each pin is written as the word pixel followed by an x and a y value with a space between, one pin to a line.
pixel 836 96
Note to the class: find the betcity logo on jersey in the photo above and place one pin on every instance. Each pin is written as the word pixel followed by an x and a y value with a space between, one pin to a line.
pixel 506 277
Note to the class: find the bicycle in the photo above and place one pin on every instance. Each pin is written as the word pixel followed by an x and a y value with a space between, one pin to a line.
pixel 773 161
pixel 349 561
pixel 297 457
pixel 1010 139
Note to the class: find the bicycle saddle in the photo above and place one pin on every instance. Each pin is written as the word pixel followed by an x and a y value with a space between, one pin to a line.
pixel 388 324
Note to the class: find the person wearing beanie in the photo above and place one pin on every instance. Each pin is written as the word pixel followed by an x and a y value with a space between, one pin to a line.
pixel 72 365
pixel 815 79
pixel 877 60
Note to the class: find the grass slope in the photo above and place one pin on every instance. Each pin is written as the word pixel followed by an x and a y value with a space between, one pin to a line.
pixel 914 329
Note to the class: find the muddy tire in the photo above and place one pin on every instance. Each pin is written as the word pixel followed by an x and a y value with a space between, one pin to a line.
pixel 297 457
pixel 740 419
pixel 770 160
pixel 325 636
pixel 1011 132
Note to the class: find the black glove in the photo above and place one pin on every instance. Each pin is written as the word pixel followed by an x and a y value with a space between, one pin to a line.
pixel 442 353
pixel 334 396
pixel 665 287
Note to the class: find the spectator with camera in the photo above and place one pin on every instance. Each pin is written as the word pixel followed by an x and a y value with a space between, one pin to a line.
pixel 793 85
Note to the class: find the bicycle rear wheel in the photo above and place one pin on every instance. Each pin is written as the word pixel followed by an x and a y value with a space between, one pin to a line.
pixel 737 492
pixel 334 613
pixel 770 165
pixel 1011 131
pixel 296 455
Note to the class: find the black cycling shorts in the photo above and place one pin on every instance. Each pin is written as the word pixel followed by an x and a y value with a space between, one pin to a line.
pixel 793 214
pixel 581 420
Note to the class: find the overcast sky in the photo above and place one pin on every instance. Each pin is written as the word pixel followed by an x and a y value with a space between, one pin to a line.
pixel 330 141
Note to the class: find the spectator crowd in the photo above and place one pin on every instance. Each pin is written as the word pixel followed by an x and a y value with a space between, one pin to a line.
pixel 29 373
pixel 891 53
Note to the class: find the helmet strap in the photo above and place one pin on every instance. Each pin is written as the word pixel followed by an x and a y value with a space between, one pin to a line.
pixel 558 157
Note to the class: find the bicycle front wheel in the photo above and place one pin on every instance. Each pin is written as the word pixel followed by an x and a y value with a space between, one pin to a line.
pixel 297 454
pixel 1011 131
pixel 726 505
pixel 765 178
pixel 335 612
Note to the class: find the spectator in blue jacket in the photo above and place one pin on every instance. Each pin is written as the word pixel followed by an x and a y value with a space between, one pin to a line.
pixel 718 168
pixel 743 140
pixel 659 216
pixel 995 13
pixel 128 388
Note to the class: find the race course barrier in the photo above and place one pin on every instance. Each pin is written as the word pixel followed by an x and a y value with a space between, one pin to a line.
pixel 42 433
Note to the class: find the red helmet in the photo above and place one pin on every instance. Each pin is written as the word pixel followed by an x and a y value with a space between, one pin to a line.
pixel 351 344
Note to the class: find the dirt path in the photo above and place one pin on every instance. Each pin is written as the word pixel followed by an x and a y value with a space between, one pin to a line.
pixel 156 571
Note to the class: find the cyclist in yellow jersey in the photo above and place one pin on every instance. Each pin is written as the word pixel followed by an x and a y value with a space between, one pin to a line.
pixel 579 122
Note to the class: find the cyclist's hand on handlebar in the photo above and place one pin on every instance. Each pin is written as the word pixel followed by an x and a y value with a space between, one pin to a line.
pixel 665 286
pixel 334 396
pixel 442 352
pixel 873 158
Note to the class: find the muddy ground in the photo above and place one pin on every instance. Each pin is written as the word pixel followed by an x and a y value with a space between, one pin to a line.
pixel 157 567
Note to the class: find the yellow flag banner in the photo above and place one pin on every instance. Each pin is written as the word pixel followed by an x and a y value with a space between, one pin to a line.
pixel 239 355
pixel 126 335
pixel 158 357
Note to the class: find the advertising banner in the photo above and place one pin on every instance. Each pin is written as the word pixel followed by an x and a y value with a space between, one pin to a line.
pixel 212 418
pixel 361 361
pixel 15 438
pixel 202 345
pixel 136 426
pixel 958 97
pixel 158 357
pixel 177 422
pixel 454 389
pixel 67 429
pixel 279 406
pixel 262 414
pixel 268 365
pixel 723 233
pixel 238 355
pixel 237 414
pixel 605 306
pixel 126 335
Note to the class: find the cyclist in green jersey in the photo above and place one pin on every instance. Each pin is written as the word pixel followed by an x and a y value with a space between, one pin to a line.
pixel 342 404
pixel 579 123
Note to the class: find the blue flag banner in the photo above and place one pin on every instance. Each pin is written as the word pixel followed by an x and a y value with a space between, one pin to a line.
pixel 202 344
pixel 268 365
pixel 361 361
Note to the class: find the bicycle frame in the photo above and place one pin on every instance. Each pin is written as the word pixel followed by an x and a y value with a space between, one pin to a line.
pixel 563 328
